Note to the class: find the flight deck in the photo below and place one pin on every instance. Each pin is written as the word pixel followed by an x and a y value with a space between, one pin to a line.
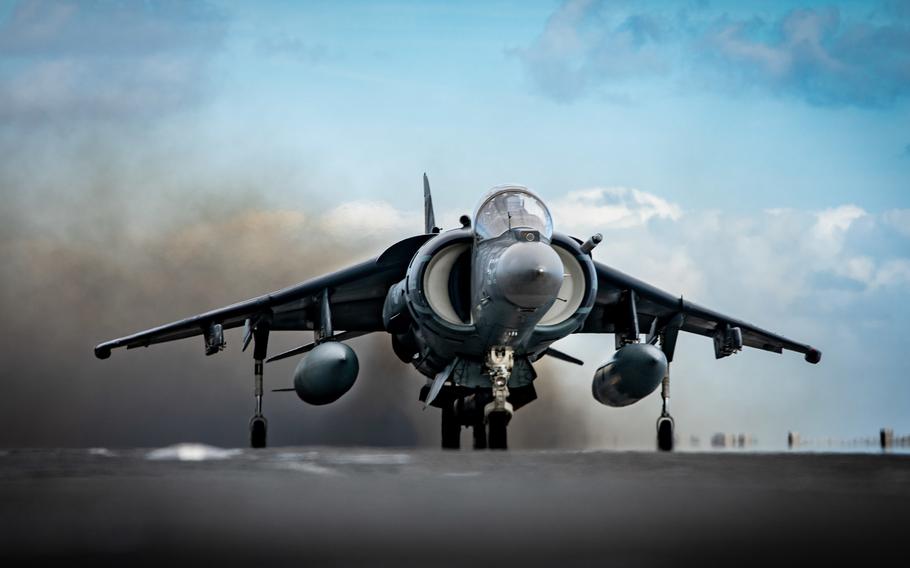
pixel 187 504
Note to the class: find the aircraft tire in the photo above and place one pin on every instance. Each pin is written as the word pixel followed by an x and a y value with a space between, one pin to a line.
pixel 665 435
pixel 480 435
pixel 498 423
pixel 258 432
pixel 451 429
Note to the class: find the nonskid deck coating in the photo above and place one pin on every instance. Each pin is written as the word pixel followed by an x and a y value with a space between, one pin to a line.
pixel 344 506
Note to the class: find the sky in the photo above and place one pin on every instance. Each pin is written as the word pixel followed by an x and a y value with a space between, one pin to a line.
pixel 161 158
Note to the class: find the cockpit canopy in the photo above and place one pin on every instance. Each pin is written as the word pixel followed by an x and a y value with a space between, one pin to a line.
pixel 508 207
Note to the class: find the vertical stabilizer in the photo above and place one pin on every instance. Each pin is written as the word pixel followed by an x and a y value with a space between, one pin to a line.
pixel 429 217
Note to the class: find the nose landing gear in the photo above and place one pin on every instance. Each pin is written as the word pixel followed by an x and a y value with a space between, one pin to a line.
pixel 498 431
pixel 464 408
pixel 497 413
pixel 486 410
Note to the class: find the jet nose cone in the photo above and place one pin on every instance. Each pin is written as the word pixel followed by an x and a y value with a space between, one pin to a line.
pixel 529 274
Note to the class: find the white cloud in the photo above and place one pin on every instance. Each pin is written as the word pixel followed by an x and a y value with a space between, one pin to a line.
pixel 899 219
pixel 607 208
pixel 860 268
pixel 894 272
pixel 832 221
pixel 829 278
pixel 370 219
pixel 831 226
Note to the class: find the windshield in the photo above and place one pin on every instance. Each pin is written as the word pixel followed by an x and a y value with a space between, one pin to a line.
pixel 512 208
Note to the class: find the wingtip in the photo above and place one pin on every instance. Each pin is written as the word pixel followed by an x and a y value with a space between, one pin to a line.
pixel 102 351
pixel 814 356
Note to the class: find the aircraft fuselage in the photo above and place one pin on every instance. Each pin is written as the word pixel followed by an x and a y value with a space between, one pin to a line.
pixel 506 282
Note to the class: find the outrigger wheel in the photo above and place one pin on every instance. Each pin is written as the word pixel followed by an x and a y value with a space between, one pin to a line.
pixel 665 433
pixel 665 422
pixel 259 428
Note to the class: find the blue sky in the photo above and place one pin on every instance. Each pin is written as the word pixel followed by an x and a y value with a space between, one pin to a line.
pixel 484 79
pixel 754 156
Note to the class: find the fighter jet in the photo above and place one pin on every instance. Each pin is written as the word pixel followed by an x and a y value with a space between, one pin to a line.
pixel 472 308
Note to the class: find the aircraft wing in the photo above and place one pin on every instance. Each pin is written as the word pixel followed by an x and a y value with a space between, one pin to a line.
pixel 619 296
pixel 356 296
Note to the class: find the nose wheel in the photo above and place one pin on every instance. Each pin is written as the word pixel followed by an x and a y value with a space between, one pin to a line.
pixel 498 430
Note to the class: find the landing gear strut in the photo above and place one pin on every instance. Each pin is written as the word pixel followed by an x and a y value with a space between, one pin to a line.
pixel 259 426
pixel 498 412
pixel 486 411
pixel 464 408
pixel 454 414
pixel 665 423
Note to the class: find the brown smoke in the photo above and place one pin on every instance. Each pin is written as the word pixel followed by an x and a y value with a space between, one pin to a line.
pixel 124 205
pixel 99 270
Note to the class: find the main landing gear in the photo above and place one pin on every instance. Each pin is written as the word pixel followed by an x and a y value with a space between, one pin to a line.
pixel 490 431
pixel 487 411
pixel 665 423
pixel 451 425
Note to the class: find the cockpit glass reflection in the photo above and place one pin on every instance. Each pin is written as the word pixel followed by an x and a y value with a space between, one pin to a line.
pixel 511 210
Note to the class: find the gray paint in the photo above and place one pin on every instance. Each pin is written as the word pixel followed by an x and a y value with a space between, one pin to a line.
pixel 631 374
pixel 513 279
pixel 326 373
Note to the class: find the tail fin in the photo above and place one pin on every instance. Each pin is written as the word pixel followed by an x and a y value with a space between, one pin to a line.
pixel 429 217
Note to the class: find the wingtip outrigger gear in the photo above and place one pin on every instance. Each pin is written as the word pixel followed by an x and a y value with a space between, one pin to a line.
pixel 259 426
pixel 667 337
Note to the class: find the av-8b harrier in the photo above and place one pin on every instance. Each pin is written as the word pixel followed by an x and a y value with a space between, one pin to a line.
pixel 472 308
